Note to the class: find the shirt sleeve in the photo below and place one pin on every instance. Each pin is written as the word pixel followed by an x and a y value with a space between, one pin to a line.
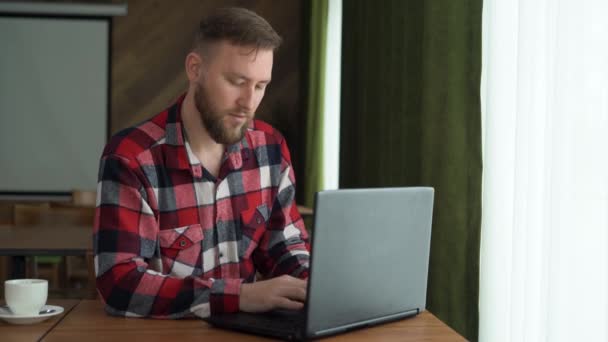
pixel 125 240
pixel 284 247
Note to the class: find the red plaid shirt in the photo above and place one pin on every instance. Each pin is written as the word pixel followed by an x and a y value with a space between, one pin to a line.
pixel 172 240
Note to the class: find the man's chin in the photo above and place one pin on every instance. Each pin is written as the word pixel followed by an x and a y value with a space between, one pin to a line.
pixel 236 132
pixel 236 135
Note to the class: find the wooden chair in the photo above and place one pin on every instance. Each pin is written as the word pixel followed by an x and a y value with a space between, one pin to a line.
pixel 4 272
pixel 305 211
pixel 84 198
pixel 19 216
pixel 61 269
pixel 6 220
pixel 79 198
pixel 307 215
pixel 25 214
pixel 6 213
pixel 80 268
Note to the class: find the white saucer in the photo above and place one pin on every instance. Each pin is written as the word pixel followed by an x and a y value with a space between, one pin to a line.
pixel 11 318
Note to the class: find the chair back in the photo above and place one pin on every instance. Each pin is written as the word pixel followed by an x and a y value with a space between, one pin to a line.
pixel 84 198
pixel 25 214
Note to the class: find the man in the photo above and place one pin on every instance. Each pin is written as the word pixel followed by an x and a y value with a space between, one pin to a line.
pixel 196 200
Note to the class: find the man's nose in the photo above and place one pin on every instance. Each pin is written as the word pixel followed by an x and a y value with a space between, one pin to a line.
pixel 247 99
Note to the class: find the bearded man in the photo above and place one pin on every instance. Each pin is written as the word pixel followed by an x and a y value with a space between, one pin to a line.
pixel 199 199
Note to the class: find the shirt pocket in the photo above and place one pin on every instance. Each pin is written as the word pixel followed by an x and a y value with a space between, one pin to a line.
pixel 253 226
pixel 181 250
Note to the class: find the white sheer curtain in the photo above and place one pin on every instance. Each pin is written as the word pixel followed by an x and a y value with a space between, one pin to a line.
pixel 331 116
pixel 544 246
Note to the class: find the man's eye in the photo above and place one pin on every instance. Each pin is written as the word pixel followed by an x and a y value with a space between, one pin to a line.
pixel 260 86
pixel 236 82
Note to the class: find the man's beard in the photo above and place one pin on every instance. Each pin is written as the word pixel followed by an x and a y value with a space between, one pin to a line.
pixel 214 120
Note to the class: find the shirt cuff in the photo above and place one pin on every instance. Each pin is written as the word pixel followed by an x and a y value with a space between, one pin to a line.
pixel 225 294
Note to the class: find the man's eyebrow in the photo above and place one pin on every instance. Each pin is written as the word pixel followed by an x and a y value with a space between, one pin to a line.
pixel 237 75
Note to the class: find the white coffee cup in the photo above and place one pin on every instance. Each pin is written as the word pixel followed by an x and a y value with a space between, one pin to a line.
pixel 25 297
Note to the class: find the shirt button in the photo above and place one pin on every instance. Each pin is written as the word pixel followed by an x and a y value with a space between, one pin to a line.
pixel 221 254
pixel 258 220
pixel 182 243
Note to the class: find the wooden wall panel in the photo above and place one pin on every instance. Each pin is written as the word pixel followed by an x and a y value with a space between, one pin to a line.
pixel 151 42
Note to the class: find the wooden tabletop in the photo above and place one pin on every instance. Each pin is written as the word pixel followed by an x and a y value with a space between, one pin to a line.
pixel 45 240
pixel 34 332
pixel 88 321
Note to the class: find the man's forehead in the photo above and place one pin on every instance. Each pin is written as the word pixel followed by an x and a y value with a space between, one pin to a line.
pixel 247 61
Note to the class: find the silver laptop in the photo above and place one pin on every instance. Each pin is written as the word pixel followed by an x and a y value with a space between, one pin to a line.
pixel 369 265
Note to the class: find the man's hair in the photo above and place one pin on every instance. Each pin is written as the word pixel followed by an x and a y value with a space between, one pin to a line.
pixel 238 26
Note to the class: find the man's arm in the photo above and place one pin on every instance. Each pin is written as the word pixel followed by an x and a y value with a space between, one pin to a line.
pixel 125 240
pixel 284 248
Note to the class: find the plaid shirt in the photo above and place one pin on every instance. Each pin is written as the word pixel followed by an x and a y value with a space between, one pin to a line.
pixel 172 240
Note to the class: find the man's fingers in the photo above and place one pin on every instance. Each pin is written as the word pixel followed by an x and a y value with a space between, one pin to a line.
pixel 301 283
pixel 286 303
pixel 293 281
pixel 284 292
pixel 293 293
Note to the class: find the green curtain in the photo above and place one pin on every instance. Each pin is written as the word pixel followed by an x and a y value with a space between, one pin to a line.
pixel 411 116
pixel 313 180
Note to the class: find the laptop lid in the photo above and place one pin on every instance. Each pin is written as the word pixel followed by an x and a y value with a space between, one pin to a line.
pixel 370 256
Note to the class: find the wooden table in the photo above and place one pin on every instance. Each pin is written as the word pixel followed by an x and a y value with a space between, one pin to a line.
pixel 21 241
pixel 88 322
pixel 34 332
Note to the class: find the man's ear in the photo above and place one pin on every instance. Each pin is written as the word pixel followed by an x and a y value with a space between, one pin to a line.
pixel 193 65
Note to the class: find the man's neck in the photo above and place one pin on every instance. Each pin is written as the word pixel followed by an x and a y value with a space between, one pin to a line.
pixel 207 150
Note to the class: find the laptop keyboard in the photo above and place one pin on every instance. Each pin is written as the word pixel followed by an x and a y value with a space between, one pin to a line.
pixel 280 323
pixel 279 319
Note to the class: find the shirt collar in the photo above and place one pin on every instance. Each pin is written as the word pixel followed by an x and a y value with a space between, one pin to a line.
pixel 182 156
pixel 175 154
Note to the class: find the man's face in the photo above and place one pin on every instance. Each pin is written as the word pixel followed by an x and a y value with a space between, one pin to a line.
pixel 231 86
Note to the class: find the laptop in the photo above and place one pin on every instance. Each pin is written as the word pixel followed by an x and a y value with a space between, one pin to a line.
pixel 369 265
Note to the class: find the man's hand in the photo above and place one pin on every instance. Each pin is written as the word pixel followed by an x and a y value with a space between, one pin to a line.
pixel 284 292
